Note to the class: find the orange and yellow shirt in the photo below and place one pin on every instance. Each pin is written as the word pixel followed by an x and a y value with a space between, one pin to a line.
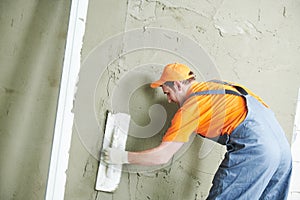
pixel 208 115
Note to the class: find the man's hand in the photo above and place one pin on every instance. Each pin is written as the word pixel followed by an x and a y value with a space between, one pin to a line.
pixel 115 156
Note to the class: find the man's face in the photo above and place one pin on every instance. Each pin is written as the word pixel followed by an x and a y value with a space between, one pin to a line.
pixel 172 95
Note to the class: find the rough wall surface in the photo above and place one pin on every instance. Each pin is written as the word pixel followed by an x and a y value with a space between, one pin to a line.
pixel 32 43
pixel 254 43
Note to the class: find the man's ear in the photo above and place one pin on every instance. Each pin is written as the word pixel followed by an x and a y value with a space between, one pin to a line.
pixel 177 85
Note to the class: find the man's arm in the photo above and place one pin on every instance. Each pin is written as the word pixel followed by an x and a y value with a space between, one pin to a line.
pixel 155 156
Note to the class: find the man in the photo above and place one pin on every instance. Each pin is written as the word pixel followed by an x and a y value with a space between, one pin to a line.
pixel 257 164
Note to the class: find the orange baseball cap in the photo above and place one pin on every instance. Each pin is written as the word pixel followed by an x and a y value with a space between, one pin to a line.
pixel 173 72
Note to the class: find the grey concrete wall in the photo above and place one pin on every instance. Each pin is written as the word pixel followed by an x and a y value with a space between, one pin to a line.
pixel 254 43
pixel 32 41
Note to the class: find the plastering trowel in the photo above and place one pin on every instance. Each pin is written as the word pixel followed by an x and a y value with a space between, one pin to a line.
pixel 115 136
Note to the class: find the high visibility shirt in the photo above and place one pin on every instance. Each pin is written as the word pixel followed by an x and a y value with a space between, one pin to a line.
pixel 208 115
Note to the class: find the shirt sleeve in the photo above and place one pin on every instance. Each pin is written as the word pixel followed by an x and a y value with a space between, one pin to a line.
pixel 183 124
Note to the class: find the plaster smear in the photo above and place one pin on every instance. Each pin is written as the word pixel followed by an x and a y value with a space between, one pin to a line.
pixel 233 23
pixel 236 28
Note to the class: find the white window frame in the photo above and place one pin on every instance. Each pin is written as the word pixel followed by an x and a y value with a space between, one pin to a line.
pixel 64 117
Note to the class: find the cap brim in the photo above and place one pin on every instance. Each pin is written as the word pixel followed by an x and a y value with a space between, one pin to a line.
pixel 159 83
pixel 156 84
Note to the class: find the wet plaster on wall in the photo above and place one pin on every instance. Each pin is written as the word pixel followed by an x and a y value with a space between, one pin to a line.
pixel 252 42
pixel 236 34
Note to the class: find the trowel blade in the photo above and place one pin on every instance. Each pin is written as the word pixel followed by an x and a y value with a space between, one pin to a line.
pixel 116 132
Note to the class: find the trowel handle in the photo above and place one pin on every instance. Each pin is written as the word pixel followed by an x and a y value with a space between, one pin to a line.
pixel 111 169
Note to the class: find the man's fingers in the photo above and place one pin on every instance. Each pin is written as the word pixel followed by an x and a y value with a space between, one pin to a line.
pixel 114 156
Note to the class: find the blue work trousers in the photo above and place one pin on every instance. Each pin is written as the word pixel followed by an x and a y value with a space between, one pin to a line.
pixel 257 164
